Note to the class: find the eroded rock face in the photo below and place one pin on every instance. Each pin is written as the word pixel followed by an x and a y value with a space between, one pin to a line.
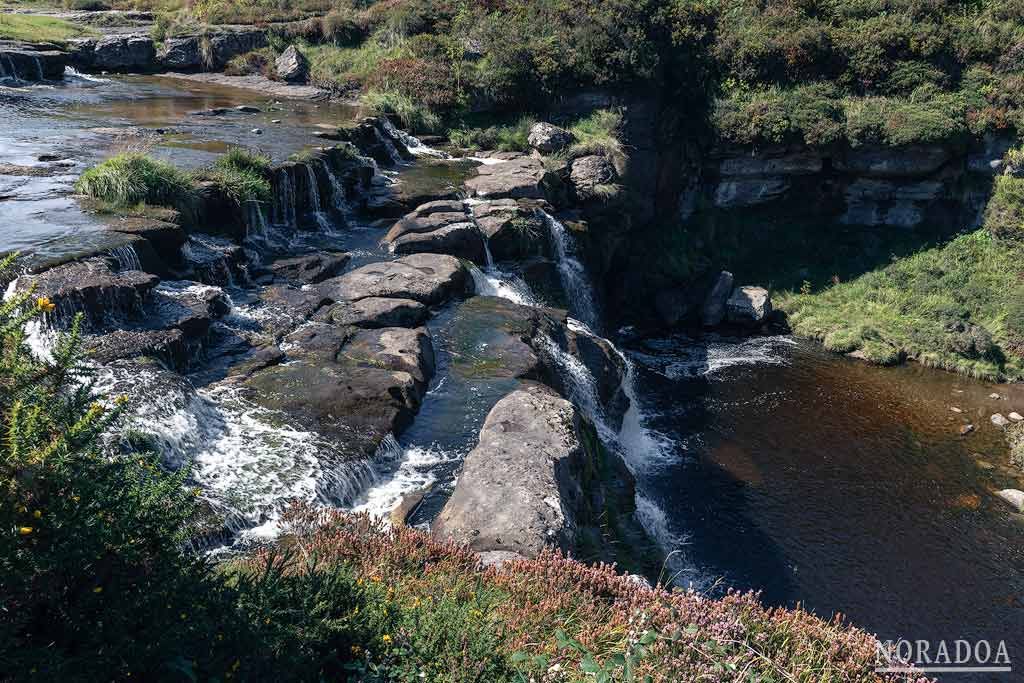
pixel 548 138
pixel 92 288
pixel 589 173
pixel 518 178
pixel 519 489
pixel 430 279
pixel 749 306
pixel 167 238
pixel 292 66
pixel 21 62
pixel 437 232
pixel 180 54
pixel 124 53
pixel 912 161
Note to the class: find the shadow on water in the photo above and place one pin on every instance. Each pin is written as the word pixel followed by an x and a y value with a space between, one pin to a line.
pixel 843 487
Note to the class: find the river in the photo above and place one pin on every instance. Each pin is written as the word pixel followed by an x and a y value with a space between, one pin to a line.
pixel 764 464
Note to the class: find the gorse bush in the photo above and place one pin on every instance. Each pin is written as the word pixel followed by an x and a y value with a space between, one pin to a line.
pixel 132 178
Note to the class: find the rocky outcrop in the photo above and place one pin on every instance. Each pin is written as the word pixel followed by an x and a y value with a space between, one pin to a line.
pixel 353 387
pixel 429 279
pixel 749 306
pixel 123 53
pixel 377 312
pixel 310 269
pixel 514 229
pixel 166 238
pixel 520 488
pixel 589 174
pixel 518 178
pixel 548 138
pixel 292 66
pixel 429 230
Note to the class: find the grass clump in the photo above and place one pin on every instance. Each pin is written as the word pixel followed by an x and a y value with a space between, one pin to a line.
pixel 417 117
pixel 511 137
pixel 132 178
pixel 38 29
pixel 241 174
pixel 598 133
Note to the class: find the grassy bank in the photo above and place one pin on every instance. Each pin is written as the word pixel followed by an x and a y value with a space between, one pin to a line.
pixel 957 306
pixel 38 29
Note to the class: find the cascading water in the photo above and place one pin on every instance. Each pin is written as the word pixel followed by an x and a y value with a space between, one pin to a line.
pixel 572 273
pixel 384 140
pixel 413 144
pixel 127 258
pixel 284 199
pixel 338 194
pixel 314 199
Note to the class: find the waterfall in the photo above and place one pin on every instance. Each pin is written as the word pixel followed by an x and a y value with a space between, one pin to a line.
pixel 411 143
pixel 284 199
pixel 39 68
pixel 11 72
pixel 393 154
pixel 314 199
pixel 572 273
pixel 338 194
pixel 127 258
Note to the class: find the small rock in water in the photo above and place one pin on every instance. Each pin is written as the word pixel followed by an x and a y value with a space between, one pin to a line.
pixel 275 120
pixel 1016 417
pixel 966 429
pixel 955 409
pixel 51 157
pixel 246 109
pixel 994 396
pixel 257 131
pixel 999 420
pixel 1014 497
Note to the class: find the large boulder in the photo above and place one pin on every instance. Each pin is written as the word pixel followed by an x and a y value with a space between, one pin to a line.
pixel 713 311
pixel 227 45
pixel 310 268
pixel 548 138
pixel 520 490
pixel 518 178
pixel 180 54
pixel 437 232
pixel 750 306
pixel 292 66
pixel 377 312
pixel 430 279
pixel 124 53
pixel 514 229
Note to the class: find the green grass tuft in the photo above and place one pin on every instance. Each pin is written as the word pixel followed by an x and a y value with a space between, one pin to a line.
pixel 241 174
pixel 38 29
pixel 132 178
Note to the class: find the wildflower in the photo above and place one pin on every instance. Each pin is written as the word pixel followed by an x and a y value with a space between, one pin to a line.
pixel 121 400
pixel 45 304
pixel 37 514
pixel 386 638
pixel 25 530
pixel 355 649
pixel 97 589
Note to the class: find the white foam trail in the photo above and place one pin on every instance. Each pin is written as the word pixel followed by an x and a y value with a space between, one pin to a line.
pixel 411 143
pixel 572 273
pixel 416 471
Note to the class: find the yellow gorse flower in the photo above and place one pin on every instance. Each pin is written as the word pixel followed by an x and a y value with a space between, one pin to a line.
pixel 45 304
pixel 25 530
pixel 386 638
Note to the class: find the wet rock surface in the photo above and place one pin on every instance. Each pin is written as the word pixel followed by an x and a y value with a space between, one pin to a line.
pixel 430 279
pixel 518 178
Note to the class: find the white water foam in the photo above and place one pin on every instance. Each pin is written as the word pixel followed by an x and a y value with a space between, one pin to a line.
pixel 415 472
pixel 572 273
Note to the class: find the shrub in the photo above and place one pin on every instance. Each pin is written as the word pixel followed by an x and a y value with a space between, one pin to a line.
pixel 1004 215
pixel 132 177
pixel 427 83
pixel 599 133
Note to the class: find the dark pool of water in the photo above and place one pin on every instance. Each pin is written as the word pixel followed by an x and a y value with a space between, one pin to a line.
pixel 840 486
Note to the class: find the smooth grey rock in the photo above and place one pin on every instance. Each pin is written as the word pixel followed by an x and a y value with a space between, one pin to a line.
pixel 713 311
pixel 310 268
pixel 292 66
pixel 514 229
pixel 1013 497
pixel 430 279
pixel 548 138
pixel 749 306
pixel 377 312
pixel 999 420
pixel 462 240
pixel 518 178
pixel 517 491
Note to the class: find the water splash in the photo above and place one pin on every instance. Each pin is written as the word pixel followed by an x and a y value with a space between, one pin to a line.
pixel 415 471
pixel 413 144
